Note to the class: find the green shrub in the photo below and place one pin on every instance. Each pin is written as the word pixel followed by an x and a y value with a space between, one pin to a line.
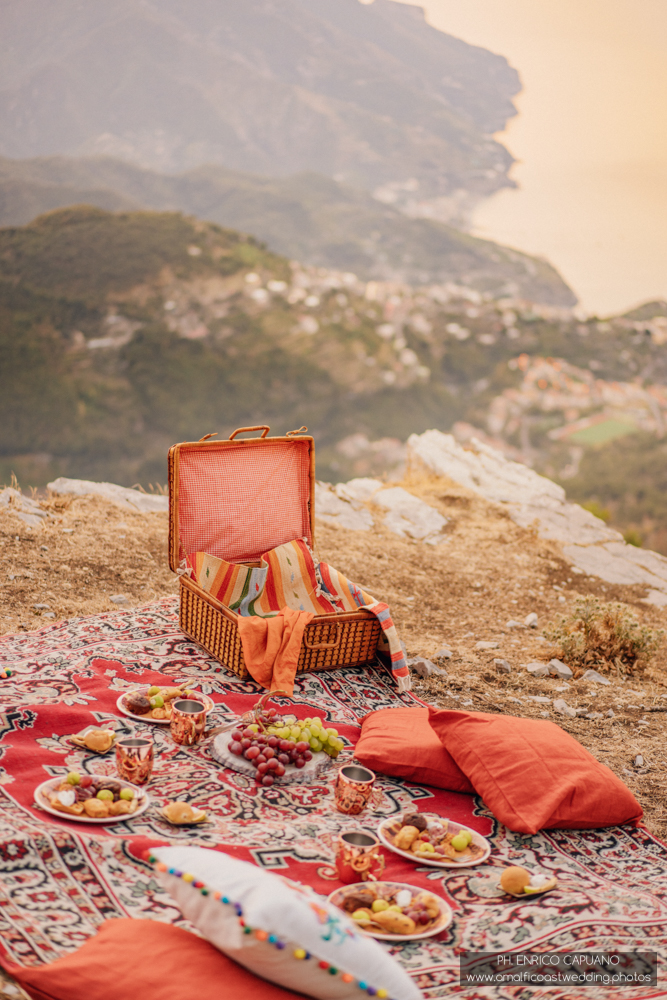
pixel 632 537
pixel 597 510
pixel 604 637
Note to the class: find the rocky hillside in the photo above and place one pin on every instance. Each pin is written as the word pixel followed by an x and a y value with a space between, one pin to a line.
pixel 307 217
pixel 123 333
pixel 369 94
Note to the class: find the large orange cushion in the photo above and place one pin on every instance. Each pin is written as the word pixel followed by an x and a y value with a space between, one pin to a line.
pixel 400 742
pixel 533 775
pixel 145 960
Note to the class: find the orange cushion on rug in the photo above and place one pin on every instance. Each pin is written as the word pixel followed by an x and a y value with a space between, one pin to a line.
pixel 401 743
pixel 533 775
pixel 144 960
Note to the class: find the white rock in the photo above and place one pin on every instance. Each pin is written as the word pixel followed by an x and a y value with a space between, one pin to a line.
pixel 639 760
pixel 536 502
pixel 594 715
pixel 562 707
pixel 119 599
pixel 486 645
pixel 147 503
pixel 444 653
pixel 530 621
pixel 611 713
pixel 542 699
pixel 358 489
pixel 537 669
pixel 559 669
pixel 655 597
pixel 651 561
pixel 425 668
pixel 23 507
pixel 597 561
pixel 485 471
pixel 512 624
pixel 562 522
pixel 408 515
pixel 502 666
pixel 595 678
pixel 332 509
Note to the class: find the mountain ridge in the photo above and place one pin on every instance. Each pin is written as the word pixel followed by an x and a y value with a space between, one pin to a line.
pixel 306 217
pixel 368 92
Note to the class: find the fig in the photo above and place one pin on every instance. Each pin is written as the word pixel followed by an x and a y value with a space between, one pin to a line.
pixel 137 703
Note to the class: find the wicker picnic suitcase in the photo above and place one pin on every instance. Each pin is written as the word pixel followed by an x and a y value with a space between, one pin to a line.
pixel 237 499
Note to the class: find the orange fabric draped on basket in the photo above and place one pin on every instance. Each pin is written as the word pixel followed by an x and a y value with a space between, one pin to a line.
pixel 287 578
pixel 271 647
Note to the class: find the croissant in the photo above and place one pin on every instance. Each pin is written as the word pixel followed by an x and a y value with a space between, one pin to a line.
pixel 96 808
pixel 180 812
pixel 395 923
pixel 405 837
pixel 120 808
pixel 99 739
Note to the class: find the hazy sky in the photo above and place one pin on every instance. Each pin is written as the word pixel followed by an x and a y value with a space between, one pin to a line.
pixel 590 138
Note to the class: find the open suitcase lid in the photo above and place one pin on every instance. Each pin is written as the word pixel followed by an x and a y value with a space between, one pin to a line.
pixel 238 499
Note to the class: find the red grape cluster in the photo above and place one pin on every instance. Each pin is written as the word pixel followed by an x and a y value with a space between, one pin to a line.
pixel 269 754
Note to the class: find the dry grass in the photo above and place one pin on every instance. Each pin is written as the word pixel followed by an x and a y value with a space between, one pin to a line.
pixel 488 571
pixel 87 551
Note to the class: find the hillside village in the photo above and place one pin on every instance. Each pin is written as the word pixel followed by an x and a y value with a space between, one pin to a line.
pixel 201 328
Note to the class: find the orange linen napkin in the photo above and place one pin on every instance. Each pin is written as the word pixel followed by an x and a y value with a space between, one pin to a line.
pixel 271 647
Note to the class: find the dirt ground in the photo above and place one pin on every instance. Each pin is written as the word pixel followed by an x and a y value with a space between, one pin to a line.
pixel 456 594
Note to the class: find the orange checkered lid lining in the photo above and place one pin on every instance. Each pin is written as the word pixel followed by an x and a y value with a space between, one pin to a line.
pixel 237 502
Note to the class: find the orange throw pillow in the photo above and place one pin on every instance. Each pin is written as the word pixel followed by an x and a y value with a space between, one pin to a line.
pixel 144 960
pixel 400 742
pixel 533 775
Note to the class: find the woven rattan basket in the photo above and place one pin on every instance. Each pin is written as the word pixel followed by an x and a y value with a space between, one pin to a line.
pixel 237 499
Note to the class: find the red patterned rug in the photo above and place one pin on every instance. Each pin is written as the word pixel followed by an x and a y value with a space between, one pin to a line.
pixel 59 879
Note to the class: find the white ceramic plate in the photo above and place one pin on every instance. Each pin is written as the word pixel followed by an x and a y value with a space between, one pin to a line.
pixel 80 735
pixel 52 783
pixel 441 924
pixel 120 704
pixel 477 839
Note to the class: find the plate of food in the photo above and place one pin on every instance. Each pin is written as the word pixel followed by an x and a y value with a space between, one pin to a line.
pixel 432 840
pixel 519 882
pixel 91 798
pixel 152 702
pixel 279 749
pixel 393 911
pixel 94 738
pixel 182 814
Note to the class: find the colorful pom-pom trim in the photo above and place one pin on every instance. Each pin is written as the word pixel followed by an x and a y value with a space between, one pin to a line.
pixel 5 673
pixel 260 935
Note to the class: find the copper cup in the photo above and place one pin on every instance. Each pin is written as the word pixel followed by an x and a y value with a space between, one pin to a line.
pixel 358 857
pixel 353 789
pixel 188 721
pixel 134 759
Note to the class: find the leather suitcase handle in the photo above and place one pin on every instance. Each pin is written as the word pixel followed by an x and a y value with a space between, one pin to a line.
pixel 242 430
pixel 324 645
